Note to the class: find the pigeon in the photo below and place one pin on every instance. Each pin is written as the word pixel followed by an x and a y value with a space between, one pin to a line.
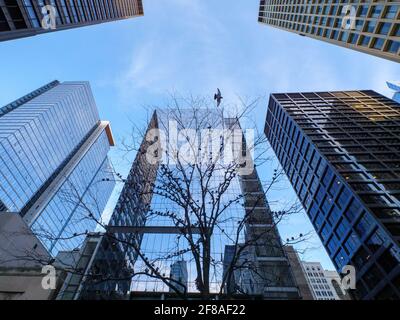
pixel 218 97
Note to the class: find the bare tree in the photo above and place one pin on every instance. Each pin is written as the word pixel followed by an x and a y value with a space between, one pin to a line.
pixel 196 179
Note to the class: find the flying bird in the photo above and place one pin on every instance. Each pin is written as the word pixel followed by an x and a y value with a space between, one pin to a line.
pixel 218 97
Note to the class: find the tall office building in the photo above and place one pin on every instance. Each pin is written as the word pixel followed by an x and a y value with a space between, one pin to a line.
pixel 233 281
pixel 163 243
pixel 340 151
pixel 109 258
pixel 24 18
pixel 368 26
pixel 314 282
pixel 324 284
pixel 395 86
pixel 334 280
pixel 269 273
pixel 298 273
pixel 179 273
pixel 263 268
pixel 54 169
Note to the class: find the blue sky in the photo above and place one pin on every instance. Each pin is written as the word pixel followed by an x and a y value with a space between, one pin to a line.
pixel 189 46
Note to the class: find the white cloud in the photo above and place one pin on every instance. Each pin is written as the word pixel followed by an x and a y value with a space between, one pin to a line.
pixel 194 46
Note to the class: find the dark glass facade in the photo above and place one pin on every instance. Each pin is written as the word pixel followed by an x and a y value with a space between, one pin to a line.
pixel 24 18
pixel 341 153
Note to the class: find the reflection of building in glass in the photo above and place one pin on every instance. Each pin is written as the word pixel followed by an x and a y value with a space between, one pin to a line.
pixel 395 86
pixel 98 270
pixel 341 153
pixel 375 28
pixel 110 271
pixel 242 278
pixel 142 220
pixel 54 168
pixel 180 275
pixel 267 270
pixel 231 281
pixel 266 251
pixel 25 18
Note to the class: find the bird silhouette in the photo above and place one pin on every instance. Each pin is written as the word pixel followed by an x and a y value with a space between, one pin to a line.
pixel 218 97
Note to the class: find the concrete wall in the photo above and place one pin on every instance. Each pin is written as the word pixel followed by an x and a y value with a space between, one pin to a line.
pixel 22 257
pixel 24 284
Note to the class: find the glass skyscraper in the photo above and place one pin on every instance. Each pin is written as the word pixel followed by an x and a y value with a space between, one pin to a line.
pixel 139 221
pixel 341 153
pixel 54 169
pixel 395 86
pixel 269 261
pixel 24 18
pixel 112 255
pixel 269 275
pixel 179 273
pixel 367 26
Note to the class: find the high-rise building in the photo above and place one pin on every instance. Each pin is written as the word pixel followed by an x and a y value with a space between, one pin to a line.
pixel 242 280
pixel 54 169
pixel 106 272
pixel 231 283
pixel 161 242
pixel 267 272
pixel 179 274
pixel 324 284
pixel 270 273
pixel 368 26
pixel 341 152
pixel 32 17
pixel 298 273
pixel 109 258
pixel 395 86
pixel 333 278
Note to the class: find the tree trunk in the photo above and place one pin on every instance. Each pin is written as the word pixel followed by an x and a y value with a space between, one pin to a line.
pixel 206 266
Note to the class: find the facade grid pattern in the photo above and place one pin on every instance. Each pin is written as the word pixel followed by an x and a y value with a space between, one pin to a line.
pixel 376 27
pixel 23 18
pixel 340 151
pixel 54 167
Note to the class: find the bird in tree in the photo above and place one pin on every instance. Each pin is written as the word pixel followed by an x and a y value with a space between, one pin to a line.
pixel 218 97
